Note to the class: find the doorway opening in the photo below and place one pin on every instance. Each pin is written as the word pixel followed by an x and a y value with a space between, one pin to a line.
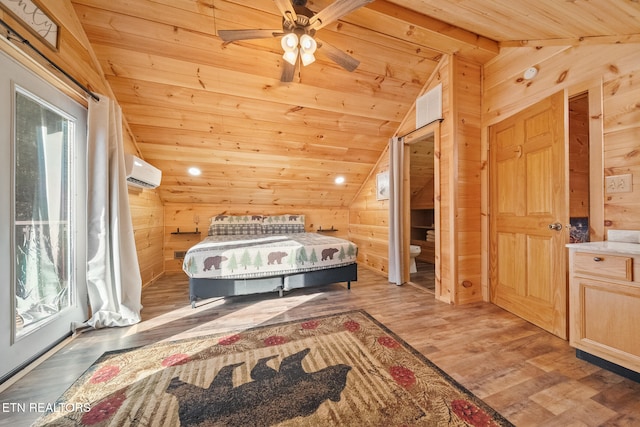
pixel 579 161
pixel 422 218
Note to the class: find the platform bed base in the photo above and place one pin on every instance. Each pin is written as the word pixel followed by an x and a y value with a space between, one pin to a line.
pixel 210 288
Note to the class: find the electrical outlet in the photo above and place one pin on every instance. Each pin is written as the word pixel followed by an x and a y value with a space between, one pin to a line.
pixel 619 183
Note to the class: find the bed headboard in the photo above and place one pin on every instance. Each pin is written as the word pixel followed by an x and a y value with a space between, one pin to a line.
pixel 224 224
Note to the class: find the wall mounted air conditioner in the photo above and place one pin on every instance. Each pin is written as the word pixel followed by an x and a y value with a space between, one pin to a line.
pixel 429 107
pixel 140 173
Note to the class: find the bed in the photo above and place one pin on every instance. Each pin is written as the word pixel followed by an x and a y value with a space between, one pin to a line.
pixel 250 254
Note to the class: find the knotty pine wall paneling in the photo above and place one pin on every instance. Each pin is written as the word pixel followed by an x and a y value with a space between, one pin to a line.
pixel 466 171
pixel 621 108
pixel 76 57
pixel 369 222
pixel 147 214
pixel 184 217
pixel 445 194
pixel 460 167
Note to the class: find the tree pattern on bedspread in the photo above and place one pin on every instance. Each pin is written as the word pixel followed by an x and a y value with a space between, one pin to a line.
pixel 250 256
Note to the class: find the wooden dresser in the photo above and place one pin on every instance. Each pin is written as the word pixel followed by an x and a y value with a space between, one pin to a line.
pixel 604 302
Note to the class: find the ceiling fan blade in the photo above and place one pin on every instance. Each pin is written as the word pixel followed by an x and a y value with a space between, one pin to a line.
pixel 287 11
pixel 233 35
pixel 335 11
pixel 341 58
pixel 288 71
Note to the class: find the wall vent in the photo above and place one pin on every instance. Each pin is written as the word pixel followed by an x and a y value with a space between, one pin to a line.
pixel 429 107
pixel 179 254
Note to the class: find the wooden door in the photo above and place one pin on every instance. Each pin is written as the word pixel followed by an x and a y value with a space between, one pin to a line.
pixel 529 214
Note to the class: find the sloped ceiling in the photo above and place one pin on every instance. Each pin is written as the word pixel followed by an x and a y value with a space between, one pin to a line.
pixel 192 100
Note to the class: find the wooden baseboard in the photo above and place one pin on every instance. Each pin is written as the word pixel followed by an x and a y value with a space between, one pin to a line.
pixel 153 280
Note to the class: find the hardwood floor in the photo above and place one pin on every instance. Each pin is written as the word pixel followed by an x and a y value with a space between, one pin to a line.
pixel 529 376
pixel 425 276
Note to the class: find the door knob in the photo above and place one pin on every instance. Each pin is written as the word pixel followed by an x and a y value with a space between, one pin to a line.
pixel 557 226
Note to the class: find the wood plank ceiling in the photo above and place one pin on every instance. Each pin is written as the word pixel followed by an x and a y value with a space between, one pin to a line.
pixel 192 100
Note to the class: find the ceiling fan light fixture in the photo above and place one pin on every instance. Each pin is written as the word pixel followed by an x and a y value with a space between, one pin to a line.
pixel 289 42
pixel 308 44
pixel 299 27
pixel 308 47
pixel 291 56
pixel 307 58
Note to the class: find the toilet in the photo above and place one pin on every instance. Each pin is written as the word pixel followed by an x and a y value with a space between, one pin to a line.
pixel 414 251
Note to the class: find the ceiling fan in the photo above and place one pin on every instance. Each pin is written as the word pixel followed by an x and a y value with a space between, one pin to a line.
pixel 299 26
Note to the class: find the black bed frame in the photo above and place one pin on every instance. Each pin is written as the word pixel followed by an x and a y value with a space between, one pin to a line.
pixel 210 288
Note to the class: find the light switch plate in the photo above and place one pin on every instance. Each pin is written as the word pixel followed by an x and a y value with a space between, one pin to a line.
pixel 619 183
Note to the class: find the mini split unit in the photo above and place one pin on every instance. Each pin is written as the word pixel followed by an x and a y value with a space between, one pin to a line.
pixel 140 173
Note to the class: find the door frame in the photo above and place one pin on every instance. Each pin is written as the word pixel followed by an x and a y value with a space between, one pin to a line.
pixel 432 129
pixel 596 157
pixel 18 353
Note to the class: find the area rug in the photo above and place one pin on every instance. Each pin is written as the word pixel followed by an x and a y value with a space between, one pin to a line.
pixel 342 369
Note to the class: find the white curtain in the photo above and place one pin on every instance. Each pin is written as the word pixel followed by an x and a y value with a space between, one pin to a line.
pixel 396 161
pixel 114 284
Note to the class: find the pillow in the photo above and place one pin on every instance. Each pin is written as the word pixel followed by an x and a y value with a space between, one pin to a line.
pixel 283 224
pixel 222 224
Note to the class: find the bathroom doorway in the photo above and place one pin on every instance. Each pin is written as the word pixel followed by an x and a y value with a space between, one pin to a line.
pixel 579 170
pixel 422 217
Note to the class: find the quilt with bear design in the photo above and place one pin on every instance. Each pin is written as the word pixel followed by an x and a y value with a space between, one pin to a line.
pixel 252 256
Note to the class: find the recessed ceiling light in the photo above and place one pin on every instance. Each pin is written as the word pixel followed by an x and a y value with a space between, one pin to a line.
pixel 530 73
pixel 194 171
pixel 339 180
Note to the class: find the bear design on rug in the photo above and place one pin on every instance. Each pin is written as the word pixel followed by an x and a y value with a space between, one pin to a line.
pixel 213 261
pixel 272 397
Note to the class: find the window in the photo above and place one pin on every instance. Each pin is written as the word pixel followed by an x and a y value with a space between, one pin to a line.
pixel 42 183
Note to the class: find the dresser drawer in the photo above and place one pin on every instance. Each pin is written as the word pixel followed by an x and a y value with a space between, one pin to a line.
pixel 603 265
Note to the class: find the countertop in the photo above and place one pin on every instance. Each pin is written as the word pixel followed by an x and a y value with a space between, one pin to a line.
pixel 618 242
pixel 608 247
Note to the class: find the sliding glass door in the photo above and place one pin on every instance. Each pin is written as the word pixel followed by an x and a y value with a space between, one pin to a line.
pixel 42 170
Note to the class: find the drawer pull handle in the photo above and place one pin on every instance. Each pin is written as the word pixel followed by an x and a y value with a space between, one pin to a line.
pixel 597 259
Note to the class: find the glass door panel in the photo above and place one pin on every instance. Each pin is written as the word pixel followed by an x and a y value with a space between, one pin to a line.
pixel 41 212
